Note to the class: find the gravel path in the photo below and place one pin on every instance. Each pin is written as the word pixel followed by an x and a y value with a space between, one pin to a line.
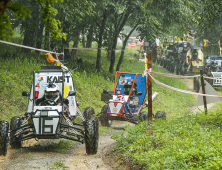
pixel 31 158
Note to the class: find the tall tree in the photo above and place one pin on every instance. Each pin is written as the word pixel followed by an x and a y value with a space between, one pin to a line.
pixel 104 9
pixel 48 11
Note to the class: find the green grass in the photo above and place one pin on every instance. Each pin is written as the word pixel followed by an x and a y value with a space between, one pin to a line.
pixel 16 76
pixel 189 142
pixel 184 141
pixel 59 165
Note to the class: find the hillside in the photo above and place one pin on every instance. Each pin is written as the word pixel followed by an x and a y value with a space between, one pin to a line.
pixel 17 77
pixel 17 73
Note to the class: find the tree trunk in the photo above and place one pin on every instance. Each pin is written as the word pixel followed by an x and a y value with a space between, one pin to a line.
pixel 109 53
pixel 30 27
pixel 123 48
pixel 75 45
pixel 4 5
pixel 66 51
pixel 118 27
pixel 27 40
pixel 74 51
pixel 109 44
pixel 98 63
pixel 89 37
pixel 113 55
pixel 65 43
pixel 40 36
pixel 102 28
pixel 46 45
pixel 83 39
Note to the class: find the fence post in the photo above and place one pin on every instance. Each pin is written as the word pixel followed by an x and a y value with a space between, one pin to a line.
pixel 149 79
pixel 203 91
pixel 63 56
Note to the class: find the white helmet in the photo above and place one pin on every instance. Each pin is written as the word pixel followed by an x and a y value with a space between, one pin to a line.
pixel 52 93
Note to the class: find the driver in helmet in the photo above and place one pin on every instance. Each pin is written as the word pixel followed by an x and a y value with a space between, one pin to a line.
pixel 127 88
pixel 51 96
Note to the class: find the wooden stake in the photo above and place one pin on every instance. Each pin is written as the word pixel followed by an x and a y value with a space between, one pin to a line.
pixel 63 56
pixel 149 79
pixel 203 91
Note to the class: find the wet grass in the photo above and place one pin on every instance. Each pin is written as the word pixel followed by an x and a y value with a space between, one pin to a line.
pixel 16 76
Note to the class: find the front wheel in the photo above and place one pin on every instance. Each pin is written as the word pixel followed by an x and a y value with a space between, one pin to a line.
pixel 88 113
pixel 15 140
pixel 103 118
pixel 92 135
pixel 3 137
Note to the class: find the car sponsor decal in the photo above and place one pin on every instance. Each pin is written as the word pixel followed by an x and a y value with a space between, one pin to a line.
pixel 44 85
pixel 40 79
pixel 58 79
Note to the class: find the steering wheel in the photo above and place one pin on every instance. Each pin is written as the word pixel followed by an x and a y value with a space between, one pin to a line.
pixel 46 102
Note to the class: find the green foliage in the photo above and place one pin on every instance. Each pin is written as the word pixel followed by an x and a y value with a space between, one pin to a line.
pixel 19 11
pixel 49 12
pixel 5 27
pixel 58 165
pixel 190 142
pixel 88 83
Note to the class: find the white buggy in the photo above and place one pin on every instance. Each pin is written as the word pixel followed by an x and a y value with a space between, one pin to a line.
pixel 47 119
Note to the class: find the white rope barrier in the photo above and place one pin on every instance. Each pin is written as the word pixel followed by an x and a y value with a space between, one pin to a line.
pixel 176 76
pixel 212 78
pixel 73 48
pixel 183 91
pixel 32 48
pixel 84 48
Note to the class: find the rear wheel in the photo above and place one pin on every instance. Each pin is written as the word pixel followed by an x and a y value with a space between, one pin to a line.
pixel 15 140
pixel 3 137
pixel 172 66
pixel 103 118
pixel 143 116
pixel 164 63
pixel 161 62
pixel 91 135
pixel 210 81
pixel 196 84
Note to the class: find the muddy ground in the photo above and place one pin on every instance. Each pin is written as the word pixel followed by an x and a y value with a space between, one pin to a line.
pixel 42 157
pixel 33 156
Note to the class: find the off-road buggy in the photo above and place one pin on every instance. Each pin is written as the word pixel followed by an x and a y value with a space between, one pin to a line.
pixel 127 100
pixel 49 121
pixel 213 69
pixel 194 59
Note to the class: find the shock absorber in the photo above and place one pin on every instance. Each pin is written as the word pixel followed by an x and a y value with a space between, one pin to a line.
pixel 70 124
pixel 18 132
pixel 80 114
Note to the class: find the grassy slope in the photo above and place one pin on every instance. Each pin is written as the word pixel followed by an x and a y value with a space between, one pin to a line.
pixel 16 76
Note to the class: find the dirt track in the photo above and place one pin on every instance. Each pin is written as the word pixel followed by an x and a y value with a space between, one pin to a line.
pixel 30 157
